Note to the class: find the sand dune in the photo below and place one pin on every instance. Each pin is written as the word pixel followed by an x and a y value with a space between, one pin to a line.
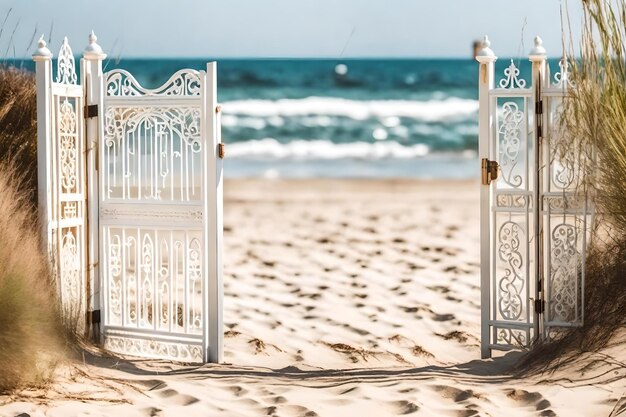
pixel 342 298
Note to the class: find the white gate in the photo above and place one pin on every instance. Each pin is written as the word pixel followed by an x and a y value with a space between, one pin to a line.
pixel 535 212
pixel 154 189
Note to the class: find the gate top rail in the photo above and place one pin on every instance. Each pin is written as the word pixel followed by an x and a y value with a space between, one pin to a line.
pixel 183 83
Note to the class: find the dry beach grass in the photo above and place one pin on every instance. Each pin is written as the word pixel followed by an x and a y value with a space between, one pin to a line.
pixel 595 116
pixel 30 331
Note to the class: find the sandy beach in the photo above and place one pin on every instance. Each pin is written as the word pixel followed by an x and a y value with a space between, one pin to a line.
pixel 342 298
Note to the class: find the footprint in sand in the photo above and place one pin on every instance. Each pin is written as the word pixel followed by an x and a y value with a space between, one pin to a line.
pixel 172 396
pixel 404 407
pixel 530 399
pixel 460 397
pixel 152 411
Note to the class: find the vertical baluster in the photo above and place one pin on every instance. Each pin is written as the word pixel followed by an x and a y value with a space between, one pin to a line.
pixel 538 59
pixel 43 80
pixel 486 58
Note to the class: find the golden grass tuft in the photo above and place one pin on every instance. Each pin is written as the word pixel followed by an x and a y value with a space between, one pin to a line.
pixel 593 123
pixel 18 125
pixel 30 327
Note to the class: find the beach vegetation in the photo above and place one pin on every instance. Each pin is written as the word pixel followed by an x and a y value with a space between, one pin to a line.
pixel 31 334
pixel 594 138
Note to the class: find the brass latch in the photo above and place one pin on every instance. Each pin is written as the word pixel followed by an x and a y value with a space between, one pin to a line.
pixel 221 150
pixel 489 171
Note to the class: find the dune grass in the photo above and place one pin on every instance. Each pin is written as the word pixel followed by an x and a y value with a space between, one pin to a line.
pixel 32 338
pixel 18 125
pixel 31 335
pixel 594 124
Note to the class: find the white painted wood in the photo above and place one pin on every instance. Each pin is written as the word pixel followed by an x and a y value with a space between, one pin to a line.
pixel 43 79
pixel 486 58
pixel 214 222
pixel 538 59
pixel 92 80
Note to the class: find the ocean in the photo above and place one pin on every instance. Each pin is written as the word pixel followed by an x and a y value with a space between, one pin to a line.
pixel 341 118
pixel 374 118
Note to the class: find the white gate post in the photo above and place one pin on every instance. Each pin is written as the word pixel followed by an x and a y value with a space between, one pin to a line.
pixel 213 223
pixel 43 76
pixel 539 73
pixel 93 84
pixel 486 58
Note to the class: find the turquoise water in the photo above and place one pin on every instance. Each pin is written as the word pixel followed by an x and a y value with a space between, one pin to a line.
pixel 331 118
pixel 341 118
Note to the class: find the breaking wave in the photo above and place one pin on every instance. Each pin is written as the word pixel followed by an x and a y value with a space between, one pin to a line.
pixel 324 149
pixel 430 111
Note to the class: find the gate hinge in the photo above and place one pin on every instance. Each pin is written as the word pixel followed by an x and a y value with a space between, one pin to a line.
pixel 221 150
pixel 489 171
pixel 93 317
pixel 540 306
pixel 90 111
pixel 539 112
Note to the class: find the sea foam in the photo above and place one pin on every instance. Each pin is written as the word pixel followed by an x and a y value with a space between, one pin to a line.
pixel 431 110
pixel 323 149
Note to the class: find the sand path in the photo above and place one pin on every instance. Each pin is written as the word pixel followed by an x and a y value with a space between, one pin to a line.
pixel 342 298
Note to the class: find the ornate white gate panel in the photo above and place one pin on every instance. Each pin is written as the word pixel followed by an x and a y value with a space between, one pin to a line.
pixel 160 184
pixel 148 269
pixel 566 212
pixel 533 218
pixel 61 172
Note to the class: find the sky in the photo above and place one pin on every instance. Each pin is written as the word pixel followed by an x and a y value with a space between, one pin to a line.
pixel 286 28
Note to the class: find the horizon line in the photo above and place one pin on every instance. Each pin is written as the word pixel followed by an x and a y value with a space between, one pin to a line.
pixel 288 58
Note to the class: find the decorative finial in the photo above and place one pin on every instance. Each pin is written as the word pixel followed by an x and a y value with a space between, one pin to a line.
pixel 485 54
pixel 93 51
pixel 486 42
pixel 42 53
pixel 538 52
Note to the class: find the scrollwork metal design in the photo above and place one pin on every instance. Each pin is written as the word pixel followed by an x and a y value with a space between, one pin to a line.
pixel 70 273
pixel 512 200
pixel 564 273
pixel 152 348
pixel 512 79
pixel 194 272
pixel 511 284
pixel 68 149
pixel 562 78
pixel 146 295
pixel 171 135
pixel 510 145
pixel 120 83
pixel 115 279
pixel 512 337
pixel 66 67
pixel 156 286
